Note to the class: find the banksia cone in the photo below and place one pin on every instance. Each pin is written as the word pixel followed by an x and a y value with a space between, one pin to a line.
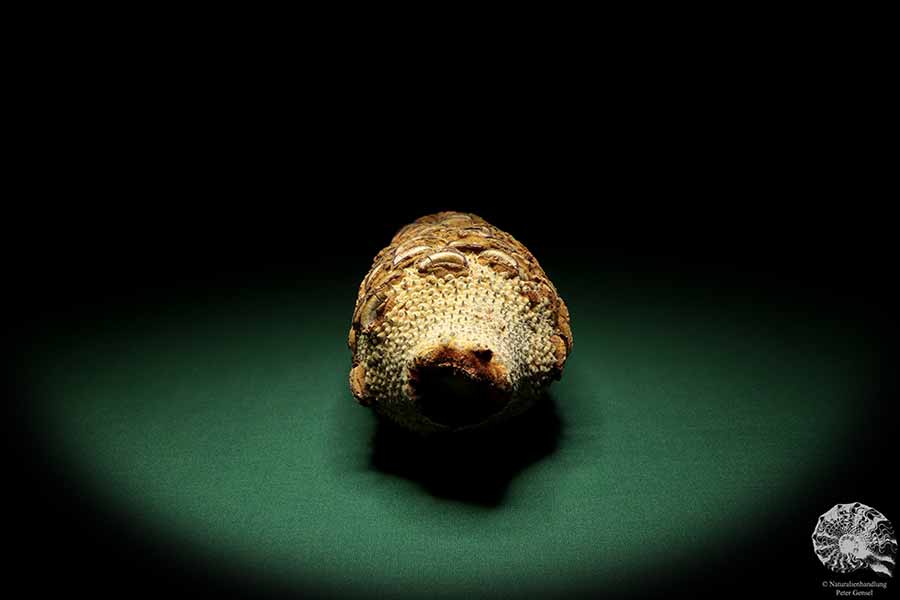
pixel 456 325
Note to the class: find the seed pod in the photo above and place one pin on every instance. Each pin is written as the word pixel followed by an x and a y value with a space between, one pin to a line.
pixel 455 326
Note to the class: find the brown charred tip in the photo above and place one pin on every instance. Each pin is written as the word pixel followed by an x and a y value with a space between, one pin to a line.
pixel 459 387
pixel 474 363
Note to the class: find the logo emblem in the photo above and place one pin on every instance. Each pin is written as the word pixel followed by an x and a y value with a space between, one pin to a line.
pixel 854 536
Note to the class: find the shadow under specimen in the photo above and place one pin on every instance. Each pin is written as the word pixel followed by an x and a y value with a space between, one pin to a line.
pixel 474 466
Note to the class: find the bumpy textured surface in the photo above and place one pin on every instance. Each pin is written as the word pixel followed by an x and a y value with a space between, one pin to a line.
pixel 456 325
pixel 852 536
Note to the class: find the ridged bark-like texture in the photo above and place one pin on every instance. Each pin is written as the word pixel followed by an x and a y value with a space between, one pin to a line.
pixel 456 325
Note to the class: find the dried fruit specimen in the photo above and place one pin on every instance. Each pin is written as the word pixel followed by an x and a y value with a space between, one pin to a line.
pixel 852 536
pixel 456 325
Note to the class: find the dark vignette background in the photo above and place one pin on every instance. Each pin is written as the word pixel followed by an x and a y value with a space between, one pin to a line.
pixel 203 183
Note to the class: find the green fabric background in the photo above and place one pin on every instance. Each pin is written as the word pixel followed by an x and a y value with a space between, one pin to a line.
pixel 225 425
